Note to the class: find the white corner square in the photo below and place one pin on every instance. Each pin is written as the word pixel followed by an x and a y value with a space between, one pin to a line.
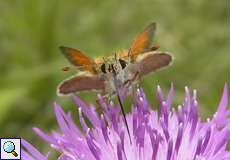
pixel 10 148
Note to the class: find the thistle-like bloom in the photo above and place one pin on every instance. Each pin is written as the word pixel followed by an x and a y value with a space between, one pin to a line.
pixel 170 135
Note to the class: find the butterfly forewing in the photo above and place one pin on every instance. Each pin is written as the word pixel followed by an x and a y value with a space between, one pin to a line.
pixel 81 83
pixel 79 59
pixel 142 42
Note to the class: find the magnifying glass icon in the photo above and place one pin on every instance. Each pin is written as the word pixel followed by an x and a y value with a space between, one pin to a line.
pixel 9 147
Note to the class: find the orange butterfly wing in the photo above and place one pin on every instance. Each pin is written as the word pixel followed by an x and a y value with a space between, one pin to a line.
pixel 143 42
pixel 79 59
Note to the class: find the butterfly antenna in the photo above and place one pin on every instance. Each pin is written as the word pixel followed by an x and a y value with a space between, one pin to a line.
pixel 115 56
pixel 124 116
pixel 129 55
pixel 105 60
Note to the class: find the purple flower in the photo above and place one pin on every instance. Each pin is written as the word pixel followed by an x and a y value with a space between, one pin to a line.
pixel 170 135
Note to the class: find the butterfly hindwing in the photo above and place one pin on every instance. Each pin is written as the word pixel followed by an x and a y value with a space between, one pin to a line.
pixel 152 61
pixel 81 83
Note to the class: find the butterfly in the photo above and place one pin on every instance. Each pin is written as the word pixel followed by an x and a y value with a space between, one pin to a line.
pixel 121 70
pixel 109 74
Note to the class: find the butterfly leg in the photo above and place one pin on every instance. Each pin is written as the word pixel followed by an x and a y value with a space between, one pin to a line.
pixel 135 77
pixel 134 86
pixel 103 99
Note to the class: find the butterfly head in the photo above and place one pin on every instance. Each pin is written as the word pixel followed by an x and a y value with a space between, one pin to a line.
pixel 113 65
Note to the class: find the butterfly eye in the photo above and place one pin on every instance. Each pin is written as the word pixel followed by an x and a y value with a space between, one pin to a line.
pixel 123 63
pixel 103 68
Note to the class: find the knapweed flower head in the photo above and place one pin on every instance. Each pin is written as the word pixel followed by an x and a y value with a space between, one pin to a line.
pixel 170 135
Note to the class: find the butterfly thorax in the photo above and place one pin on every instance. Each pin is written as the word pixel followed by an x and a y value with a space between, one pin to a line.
pixel 116 71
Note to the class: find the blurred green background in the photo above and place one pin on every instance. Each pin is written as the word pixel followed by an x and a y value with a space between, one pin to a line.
pixel 196 32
